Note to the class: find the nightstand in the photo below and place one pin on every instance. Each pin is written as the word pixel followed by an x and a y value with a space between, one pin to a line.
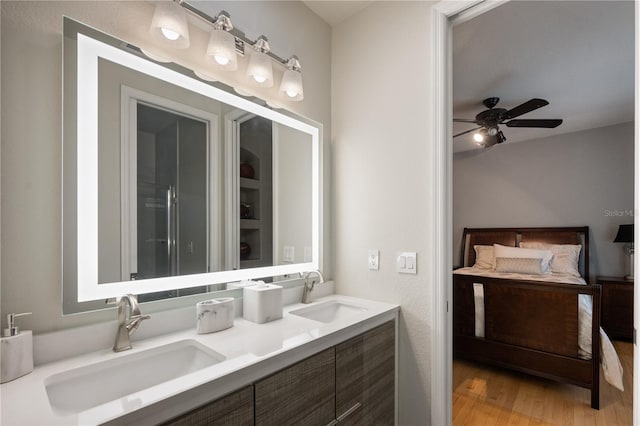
pixel 617 307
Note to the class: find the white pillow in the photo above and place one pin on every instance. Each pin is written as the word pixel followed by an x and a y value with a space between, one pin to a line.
pixel 519 265
pixel 484 257
pixel 565 256
pixel 545 255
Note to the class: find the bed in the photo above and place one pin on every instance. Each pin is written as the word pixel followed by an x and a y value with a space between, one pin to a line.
pixel 529 307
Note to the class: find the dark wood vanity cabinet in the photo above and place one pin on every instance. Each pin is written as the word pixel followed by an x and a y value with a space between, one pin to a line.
pixel 235 409
pixel 365 378
pixel 303 394
pixel 352 383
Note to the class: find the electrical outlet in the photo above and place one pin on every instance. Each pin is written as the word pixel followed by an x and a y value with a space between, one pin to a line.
pixel 374 260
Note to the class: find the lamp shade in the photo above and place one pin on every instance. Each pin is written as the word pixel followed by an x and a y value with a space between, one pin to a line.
pixel 291 86
pixel 625 234
pixel 222 50
pixel 260 70
pixel 169 24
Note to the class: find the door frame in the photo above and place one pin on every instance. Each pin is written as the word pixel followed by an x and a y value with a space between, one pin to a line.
pixel 444 15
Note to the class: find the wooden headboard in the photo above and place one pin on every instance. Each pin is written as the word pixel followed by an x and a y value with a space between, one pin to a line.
pixel 513 236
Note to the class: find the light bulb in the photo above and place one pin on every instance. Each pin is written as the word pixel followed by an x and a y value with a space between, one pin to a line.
pixel 259 78
pixel 478 137
pixel 170 34
pixel 222 60
pixel 291 93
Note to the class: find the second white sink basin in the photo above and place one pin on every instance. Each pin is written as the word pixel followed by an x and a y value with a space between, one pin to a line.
pixel 330 311
pixel 92 385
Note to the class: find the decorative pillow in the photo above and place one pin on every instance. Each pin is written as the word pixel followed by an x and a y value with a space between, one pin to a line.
pixel 545 255
pixel 565 256
pixel 520 265
pixel 484 257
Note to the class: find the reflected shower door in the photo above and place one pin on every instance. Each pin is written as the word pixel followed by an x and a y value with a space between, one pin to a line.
pixel 171 194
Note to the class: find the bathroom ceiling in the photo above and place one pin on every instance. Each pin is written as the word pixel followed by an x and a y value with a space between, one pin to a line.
pixel 577 55
pixel 334 11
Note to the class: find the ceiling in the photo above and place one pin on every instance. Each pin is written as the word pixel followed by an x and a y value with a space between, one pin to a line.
pixel 577 55
pixel 335 11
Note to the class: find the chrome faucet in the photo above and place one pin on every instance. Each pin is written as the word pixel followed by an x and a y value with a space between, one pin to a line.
pixel 309 283
pixel 126 327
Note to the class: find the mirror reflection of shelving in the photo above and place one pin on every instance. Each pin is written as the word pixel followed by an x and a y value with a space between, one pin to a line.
pixel 256 210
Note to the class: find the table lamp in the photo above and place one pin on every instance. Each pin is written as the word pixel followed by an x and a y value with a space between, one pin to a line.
pixel 625 235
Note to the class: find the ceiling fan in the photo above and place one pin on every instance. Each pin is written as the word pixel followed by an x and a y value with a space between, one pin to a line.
pixel 489 133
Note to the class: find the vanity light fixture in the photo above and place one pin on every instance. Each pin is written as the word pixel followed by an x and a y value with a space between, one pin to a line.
pixel 169 24
pixel 226 42
pixel 260 69
pixel 291 86
pixel 222 44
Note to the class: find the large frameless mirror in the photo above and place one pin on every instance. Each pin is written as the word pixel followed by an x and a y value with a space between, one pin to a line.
pixel 174 185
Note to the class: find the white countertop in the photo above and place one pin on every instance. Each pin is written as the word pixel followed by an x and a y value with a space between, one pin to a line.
pixel 251 350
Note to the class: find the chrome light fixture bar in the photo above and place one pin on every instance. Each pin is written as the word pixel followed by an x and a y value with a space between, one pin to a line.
pixel 224 38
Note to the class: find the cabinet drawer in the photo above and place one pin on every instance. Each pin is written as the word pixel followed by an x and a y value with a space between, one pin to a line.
pixel 303 394
pixel 235 409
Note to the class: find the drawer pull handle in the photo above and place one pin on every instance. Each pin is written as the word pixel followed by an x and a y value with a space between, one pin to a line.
pixel 349 412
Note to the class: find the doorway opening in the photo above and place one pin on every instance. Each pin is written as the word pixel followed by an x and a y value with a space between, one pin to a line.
pixel 443 15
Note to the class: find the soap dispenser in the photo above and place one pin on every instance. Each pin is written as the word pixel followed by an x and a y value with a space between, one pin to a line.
pixel 16 357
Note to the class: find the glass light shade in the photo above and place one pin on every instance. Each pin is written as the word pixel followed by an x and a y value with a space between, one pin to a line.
pixel 221 50
pixel 291 86
pixel 478 137
pixel 260 69
pixel 169 24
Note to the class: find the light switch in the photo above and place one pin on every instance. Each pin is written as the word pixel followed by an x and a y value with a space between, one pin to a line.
pixel 406 263
pixel 411 263
pixel 374 260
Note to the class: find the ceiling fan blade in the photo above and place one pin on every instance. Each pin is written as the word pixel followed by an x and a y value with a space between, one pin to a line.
pixel 524 108
pixel 463 120
pixel 547 123
pixel 466 131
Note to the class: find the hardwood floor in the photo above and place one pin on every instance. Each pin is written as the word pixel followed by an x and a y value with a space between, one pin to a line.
pixel 484 395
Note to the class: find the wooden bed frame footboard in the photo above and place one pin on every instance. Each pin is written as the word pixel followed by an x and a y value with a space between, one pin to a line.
pixel 529 326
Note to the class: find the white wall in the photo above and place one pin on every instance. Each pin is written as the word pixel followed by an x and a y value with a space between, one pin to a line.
pixel 575 179
pixel 32 125
pixel 382 185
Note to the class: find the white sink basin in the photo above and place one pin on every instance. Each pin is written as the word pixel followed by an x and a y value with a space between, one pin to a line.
pixel 92 385
pixel 330 311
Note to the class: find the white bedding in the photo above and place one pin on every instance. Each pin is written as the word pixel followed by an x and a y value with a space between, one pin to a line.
pixel 609 357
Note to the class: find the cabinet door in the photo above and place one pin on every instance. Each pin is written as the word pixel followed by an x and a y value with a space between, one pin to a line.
pixel 235 409
pixel 365 378
pixel 303 394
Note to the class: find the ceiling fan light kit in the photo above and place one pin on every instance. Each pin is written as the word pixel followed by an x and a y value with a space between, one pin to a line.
pixel 489 133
